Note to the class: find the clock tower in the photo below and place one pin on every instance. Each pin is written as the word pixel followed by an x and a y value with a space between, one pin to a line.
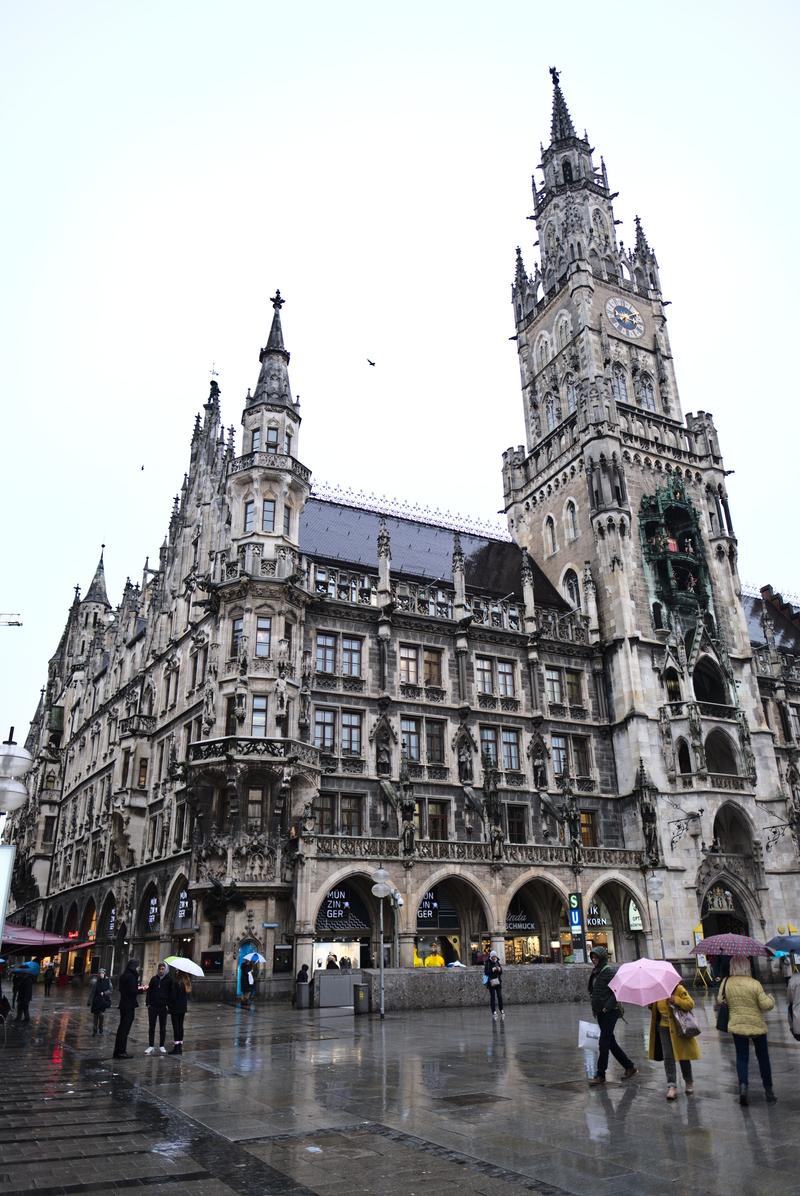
pixel 619 498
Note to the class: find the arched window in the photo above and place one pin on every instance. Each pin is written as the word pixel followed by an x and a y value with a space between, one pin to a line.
pixel 647 396
pixel 567 171
pixel 658 616
pixel 562 332
pixel 550 412
pixel 572 520
pixel 619 384
pixel 550 545
pixel 721 755
pixel 542 353
pixel 572 393
pixel 709 684
pixel 673 684
pixel 732 833
pixel 572 590
pixel 684 757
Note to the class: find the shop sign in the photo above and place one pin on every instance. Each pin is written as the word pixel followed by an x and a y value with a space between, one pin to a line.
pixel 183 909
pixel 595 917
pixel 635 922
pixel 434 914
pixel 336 905
pixel 72 934
pixel 152 913
pixel 575 908
pixel 519 921
pixel 428 908
pixel 112 922
pixel 342 909
pixel 211 963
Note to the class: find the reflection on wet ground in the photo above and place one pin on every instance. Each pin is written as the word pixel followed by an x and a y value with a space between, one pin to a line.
pixel 325 1104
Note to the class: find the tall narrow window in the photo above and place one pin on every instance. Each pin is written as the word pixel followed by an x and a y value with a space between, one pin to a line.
pixel 550 545
pixel 572 520
pixel 434 737
pixel 323 812
pixel 237 630
pixel 263 635
pixel 409 729
pixel 432 666
pixel 574 690
pixel 351 818
pixel 288 443
pixel 268 515
pixel 351 656
pixel 287 519
pixel 489 744
pixel 255 809
pixel 409 664
pixel 483 675
pixel 510 749
pixel 258 728
pixel 249 515
pixel 515 817
pixel 647 396
pixel 553 686
pixel 326 653
pixel 351 733
pixel 619 384
pixel 437 820
pixel 273 439
pixel 572 394
pixel 588 829
pixel 572 590
pixel 580 755
pixel 505 678
pixel 255 440
pixel 230 717
pixel 559 753
pixel 324 729
pixel 141 780
pixel 550 412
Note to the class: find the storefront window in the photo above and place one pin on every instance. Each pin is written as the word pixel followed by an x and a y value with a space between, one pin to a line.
pixel 599 930
pixel 438 942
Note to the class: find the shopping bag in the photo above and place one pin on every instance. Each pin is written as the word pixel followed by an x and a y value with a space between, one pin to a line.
pixel 588 1036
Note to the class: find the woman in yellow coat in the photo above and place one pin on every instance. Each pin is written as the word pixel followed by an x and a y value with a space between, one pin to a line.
pixel 667 1044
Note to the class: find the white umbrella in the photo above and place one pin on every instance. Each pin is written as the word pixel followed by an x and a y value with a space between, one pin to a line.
pixel 184 965
pixel 253 957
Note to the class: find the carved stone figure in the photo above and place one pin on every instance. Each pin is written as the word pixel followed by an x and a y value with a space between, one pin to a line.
pixel 465 771
pixel 383 754
pixel 496 839
pixel 280 691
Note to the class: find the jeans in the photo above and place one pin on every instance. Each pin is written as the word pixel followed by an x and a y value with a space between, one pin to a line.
pixel 669 1059
pixel 123 1030
pixel 177 1026
pixel 607 1022
pixel 157 1015
pixel 496 996
pixel 742 1044
pixel 22 1010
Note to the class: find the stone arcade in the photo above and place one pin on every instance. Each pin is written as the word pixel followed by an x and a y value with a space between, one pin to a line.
pixel 305 686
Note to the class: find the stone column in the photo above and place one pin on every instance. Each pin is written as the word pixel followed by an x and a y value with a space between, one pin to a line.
pixel 499 944
pixel 407 948
pixel 304 952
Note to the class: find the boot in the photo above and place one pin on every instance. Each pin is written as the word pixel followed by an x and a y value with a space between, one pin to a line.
pixel 177 1049
pixel 770 1096
pixel 743 1094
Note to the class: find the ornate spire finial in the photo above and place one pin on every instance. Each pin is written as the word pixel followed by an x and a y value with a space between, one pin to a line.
pixel 273 380
pixel 562 126
pixel 97 588
pixel 276 301
pixel 384 542
pixel 642 247
pixel 520 277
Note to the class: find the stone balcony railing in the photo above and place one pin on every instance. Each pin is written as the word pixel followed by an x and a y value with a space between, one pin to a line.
pixel 137 724
pixel 713 780
pixel 459 850
pixel 235 747
pixel 703 709
pixel 264 460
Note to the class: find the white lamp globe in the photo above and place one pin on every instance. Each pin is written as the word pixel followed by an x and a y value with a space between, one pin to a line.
pixel 13 795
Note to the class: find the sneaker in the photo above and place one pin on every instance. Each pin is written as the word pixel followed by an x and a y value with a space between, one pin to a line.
pixel 163 1050
pixel 150 1051
pixel 494 1015
pixel 502 1015
pixel 630 1072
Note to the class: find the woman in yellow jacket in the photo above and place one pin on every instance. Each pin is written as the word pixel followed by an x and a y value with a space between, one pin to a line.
pixel 747 1003
pixel 667 1044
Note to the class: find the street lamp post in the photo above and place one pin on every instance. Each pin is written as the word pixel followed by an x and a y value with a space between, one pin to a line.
pixel 381 889
pixel 656 891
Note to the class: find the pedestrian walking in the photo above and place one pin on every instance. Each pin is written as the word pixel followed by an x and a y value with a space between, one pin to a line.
pixel 100 1000
pixel 669 1045
pixel 607 1010
pixel 247 982
pixel 793 993
pixel 49 976
pixel 128 1004
pixel 158 999
pixel 178 1004
pixel 24 990
pixel 493 972
pixel 747 1003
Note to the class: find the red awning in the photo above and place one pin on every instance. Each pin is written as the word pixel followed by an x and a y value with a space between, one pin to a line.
pixel 26 936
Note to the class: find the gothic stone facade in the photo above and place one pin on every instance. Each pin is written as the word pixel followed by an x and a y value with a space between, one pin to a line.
pixel 305 688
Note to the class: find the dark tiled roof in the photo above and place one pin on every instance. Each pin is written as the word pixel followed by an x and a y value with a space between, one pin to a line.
pixel 334 532
pixel 787 634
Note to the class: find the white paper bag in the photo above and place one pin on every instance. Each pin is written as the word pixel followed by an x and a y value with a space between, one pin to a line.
pixel 588 1036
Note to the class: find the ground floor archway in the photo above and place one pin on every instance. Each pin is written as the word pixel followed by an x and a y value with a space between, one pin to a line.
pixel 536 925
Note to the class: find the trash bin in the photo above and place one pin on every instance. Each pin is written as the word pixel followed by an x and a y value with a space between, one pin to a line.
pixel 361 1001
pixel 302 995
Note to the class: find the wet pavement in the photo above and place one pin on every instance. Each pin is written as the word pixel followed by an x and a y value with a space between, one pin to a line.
pixel 327 1104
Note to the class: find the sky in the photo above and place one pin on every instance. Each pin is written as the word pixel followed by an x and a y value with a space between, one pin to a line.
pixel 168 166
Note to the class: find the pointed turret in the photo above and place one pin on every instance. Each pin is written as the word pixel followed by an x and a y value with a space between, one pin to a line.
pixel 561 127
pixel 97 588
pixel 273 380
pixel 641 240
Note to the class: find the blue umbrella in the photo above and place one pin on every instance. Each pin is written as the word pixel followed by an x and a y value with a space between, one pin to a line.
pixel 786 943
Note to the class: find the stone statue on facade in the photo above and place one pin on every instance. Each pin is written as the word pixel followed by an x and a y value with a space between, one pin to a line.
pixel 465 771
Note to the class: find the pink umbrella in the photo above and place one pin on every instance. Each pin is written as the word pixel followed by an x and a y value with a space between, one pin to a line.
pixel 730 944
pixel 644 981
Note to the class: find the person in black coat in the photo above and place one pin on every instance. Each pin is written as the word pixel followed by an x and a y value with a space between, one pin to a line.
pixel 493 971
pixel 100 1000
pixel 24 988
pixel 49 977
pixel 159 997
pixel 128 1004
pixel 179 1003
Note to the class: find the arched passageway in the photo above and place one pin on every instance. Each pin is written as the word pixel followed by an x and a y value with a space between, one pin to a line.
pixel 450 924
pixel 615 920
pixel 537 927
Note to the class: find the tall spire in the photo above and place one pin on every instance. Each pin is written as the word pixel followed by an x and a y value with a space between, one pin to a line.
pixel 562 126
pixel 97 588
pixel 642 247
pixel 273 381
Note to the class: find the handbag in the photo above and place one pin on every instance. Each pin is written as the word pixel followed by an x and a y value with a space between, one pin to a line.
pixel 686 1023
pixel 485 979
pixel 723 1012
pixel 494 983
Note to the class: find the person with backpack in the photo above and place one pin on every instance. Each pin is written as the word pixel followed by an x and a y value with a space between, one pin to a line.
pixel 607 1010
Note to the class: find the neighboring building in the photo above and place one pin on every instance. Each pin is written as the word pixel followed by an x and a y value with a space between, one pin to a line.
pixel 306 687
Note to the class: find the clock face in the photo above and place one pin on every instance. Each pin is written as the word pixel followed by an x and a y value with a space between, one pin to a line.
pixel 625 318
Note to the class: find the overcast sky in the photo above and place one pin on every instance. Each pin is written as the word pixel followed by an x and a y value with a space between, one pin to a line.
pixel 168 165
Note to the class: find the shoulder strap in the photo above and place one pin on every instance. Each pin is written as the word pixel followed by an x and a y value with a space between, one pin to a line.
pixel 722 990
